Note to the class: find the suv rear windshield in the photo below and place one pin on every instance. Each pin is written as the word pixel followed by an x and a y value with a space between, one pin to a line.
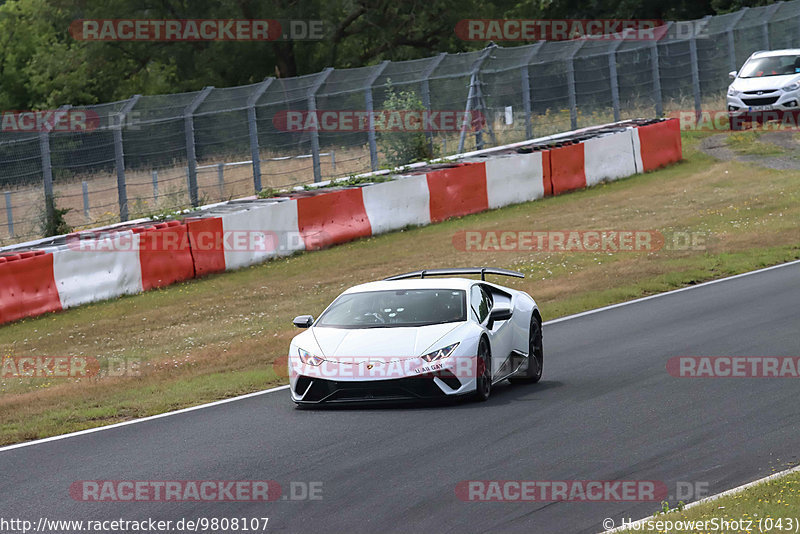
pixel 396 308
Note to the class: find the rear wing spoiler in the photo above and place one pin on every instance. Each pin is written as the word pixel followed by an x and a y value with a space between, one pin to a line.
pixel 483 271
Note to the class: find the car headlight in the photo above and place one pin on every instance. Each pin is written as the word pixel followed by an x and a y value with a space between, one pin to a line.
pixel 791 87
pixel 308 358
pixel 732 91
pixel 440 354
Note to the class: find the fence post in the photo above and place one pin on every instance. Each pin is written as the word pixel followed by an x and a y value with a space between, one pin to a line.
pixel 765 26
pixel 252 126
pixel 155 186
pixel 656 75
pixel 9 214
pixel 426 91
pixel 333 160
pixel 47 175
pixel 695 75
pixel 221 179
pixel 191 157
pixel 473 89
pixel 312 110
pixel 373 145
pixel 573 100
pixel 732 40
pixel 527 102
pixel 612 72
pixel 85 189
pixel 119 159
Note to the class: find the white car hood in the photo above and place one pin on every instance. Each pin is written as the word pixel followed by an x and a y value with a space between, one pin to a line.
pixel 764 82
pixel 381 342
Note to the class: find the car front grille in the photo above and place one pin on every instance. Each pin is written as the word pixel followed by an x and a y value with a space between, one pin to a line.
pixel 369 390
pixel 766 101
pixel 760 92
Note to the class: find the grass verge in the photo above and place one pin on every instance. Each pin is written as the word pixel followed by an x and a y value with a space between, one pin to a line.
pixel 747 143
pixel 218 337
pixel 770 506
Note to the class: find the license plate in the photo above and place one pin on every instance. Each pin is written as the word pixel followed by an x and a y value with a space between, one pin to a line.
pixel 759 108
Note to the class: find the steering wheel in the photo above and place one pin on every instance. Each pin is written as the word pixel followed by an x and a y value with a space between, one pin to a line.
pixel 377 316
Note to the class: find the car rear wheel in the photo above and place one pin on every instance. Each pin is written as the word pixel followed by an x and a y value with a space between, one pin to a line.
pixel 483 387
pixel 536 352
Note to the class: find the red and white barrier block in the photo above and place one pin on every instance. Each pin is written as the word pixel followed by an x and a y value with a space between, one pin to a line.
pixel 99 266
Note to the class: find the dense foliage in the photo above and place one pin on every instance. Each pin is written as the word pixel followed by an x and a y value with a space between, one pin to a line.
pixel 42 65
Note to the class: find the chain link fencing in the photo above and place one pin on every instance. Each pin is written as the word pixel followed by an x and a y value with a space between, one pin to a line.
pixel 150 155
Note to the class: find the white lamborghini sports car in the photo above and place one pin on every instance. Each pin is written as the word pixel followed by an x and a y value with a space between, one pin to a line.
pixel 414 337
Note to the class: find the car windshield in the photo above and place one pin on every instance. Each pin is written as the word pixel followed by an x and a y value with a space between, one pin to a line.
pixel 396 308
pixel 771 66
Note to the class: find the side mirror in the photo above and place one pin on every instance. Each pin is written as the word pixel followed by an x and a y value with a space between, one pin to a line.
pixel 732 75
pixel 303 321
pixel 500 313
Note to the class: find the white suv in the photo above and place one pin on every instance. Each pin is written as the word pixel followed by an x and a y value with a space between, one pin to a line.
pixel 768 81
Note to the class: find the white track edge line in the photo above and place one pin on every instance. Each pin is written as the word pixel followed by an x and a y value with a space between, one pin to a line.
pixel 711 498
pixel 279 388
pixel 687 288
pixel 142 419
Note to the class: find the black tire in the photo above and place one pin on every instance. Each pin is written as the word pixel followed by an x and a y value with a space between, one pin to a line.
pixel 735 124
pixel 483 387
pixel 535 366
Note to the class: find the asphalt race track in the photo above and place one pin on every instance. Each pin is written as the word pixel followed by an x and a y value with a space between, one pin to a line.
pixel 606 409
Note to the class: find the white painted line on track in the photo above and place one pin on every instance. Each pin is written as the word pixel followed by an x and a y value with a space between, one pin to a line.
pixel 687 288
pixel 280 388
pixel 141 420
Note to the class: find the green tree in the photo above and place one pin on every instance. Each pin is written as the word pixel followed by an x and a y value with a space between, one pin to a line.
pixel 400 148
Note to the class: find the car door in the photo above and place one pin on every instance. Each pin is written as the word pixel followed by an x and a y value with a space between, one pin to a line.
pixel 500 334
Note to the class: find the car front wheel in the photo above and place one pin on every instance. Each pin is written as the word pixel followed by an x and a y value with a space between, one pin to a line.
pixel 483 387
